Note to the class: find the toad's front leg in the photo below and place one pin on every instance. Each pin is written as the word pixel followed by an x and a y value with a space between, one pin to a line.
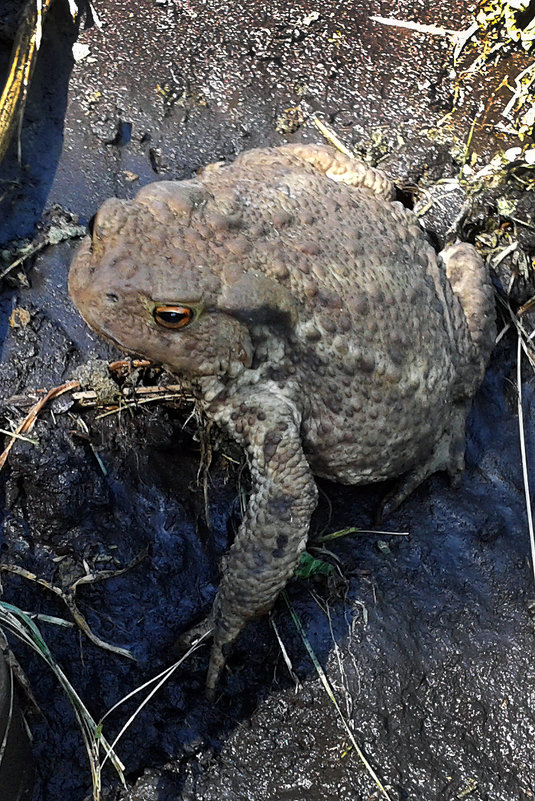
pixel 274 530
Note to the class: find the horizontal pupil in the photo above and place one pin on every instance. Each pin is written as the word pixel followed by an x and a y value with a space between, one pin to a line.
pixel 172 317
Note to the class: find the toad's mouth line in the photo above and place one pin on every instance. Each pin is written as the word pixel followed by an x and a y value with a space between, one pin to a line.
pixel 183 376
pixel 109 338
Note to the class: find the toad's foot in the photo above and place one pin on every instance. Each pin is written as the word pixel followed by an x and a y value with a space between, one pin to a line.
pixel 200 631
pixel 448 455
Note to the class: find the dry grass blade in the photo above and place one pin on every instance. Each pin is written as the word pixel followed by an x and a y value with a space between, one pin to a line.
pixel 23 57
pixel 285 655
pixel 526 340
pixel 21 625
pixel 328 689
pixel 344 532
pixel 331 137
pixel 524 343
pixel 7 433
pixel 158 681
pixel 29 421
pixel 418 27
pixel 3 744
pixel 25 630
pixel 19 676
pixel 525 472
pixel 102 575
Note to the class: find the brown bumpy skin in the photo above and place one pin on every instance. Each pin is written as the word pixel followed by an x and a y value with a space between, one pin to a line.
pixel 323 332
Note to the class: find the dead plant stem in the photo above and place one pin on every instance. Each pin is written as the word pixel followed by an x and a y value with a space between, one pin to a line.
pixel 523 453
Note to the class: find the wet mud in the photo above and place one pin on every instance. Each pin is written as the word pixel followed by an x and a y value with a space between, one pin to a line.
pixel 427 639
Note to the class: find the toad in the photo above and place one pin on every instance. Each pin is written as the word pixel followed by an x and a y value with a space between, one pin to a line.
pixel 314 323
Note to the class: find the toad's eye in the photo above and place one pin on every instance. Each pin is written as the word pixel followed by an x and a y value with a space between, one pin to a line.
pixel 173 316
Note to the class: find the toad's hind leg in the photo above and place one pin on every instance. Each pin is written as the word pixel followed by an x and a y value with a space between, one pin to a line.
pixel 471 283
pixel 448 455
pixel 274 531
pixel 342 168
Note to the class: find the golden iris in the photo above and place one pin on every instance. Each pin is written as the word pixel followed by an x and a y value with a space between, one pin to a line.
pixel 173 316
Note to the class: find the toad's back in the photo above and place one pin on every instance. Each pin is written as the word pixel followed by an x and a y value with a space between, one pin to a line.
pixel 381 350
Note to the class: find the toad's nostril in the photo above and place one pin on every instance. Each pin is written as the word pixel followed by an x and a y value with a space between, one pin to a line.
pixel 112 297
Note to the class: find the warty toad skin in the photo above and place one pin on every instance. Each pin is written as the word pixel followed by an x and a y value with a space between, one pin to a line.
pixel 313 321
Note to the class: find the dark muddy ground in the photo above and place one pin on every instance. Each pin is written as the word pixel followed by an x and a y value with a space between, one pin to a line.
pixel 429 641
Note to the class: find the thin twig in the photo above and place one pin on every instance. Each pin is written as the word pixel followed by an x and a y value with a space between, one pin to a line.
pixel 26 255
pixel 525 338
pixel 103 575
pixel 68 598
pixel 527 306
pixel 162 394
pixel 29 421
pixel 172 391
pixel 121 364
